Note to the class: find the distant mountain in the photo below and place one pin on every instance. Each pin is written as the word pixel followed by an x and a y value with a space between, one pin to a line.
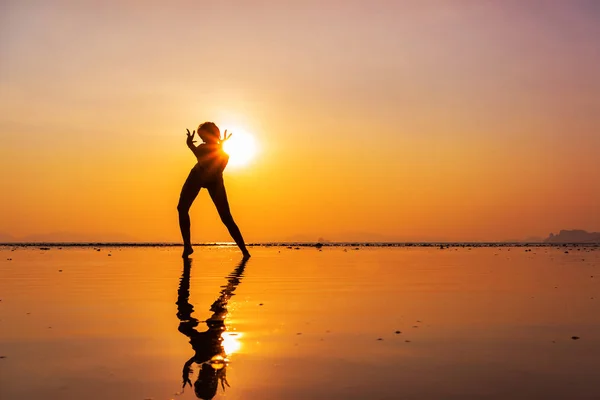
pixel 574 236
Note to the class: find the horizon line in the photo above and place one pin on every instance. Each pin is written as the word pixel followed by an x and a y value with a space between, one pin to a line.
pixel 299 243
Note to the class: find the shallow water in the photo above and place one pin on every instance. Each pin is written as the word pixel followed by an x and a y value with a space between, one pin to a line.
pixel 480 323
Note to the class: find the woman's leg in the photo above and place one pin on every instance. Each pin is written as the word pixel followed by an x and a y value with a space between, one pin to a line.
pixel 189 191
pixel 219 197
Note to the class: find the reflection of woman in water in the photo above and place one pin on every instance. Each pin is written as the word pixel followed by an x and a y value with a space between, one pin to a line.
pixel 210 353
pixel 207 173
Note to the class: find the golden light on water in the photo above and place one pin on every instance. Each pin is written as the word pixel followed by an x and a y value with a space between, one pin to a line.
pixel 231 342
pixel 241 147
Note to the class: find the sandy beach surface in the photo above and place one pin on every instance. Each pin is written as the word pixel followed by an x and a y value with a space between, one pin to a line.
pixel 336 323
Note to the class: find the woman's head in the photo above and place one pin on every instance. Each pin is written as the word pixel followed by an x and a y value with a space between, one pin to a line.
pixel 209 132
pixel 207 383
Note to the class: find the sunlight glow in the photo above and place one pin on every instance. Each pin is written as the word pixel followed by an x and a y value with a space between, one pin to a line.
pixel 231 342
pixel 241 147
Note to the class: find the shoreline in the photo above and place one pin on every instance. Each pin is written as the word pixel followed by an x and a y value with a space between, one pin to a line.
pixel 441 245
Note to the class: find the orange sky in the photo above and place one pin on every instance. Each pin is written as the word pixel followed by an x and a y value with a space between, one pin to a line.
pixel 378 120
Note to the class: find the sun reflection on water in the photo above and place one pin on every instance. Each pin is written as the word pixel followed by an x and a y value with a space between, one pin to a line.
pixel 231 342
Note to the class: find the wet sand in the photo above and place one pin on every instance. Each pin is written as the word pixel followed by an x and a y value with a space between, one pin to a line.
pixel 340 323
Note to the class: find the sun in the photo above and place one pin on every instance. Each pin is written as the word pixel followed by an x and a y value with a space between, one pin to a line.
pixel 241 147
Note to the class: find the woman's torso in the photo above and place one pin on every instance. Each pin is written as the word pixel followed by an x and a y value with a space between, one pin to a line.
pixel 211 161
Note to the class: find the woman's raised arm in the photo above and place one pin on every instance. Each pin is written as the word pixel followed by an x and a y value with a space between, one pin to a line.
pixel 190 140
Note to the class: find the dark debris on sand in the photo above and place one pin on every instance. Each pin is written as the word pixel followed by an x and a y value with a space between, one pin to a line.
pixel 318 244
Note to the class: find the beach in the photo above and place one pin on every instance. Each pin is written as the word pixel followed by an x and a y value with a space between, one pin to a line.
pixel 337 322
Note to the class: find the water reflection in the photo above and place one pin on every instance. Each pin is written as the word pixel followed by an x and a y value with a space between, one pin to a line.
pixel 212 346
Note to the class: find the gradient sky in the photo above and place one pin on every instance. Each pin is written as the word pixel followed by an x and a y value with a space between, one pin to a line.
pixel 376 120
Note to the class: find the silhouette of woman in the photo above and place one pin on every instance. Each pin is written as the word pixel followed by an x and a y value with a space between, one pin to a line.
pixel 207 173
pixel 208 345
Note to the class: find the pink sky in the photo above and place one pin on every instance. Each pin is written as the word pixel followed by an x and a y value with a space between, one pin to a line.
pixel 404 120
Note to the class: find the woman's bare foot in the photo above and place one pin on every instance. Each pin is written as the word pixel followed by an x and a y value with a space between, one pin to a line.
pixel 187 250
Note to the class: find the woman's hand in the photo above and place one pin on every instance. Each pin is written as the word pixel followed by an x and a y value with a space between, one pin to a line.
pixel 190 138
pixel 225 137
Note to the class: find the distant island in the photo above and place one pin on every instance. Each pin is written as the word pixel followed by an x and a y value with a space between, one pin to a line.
pixel 573 236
